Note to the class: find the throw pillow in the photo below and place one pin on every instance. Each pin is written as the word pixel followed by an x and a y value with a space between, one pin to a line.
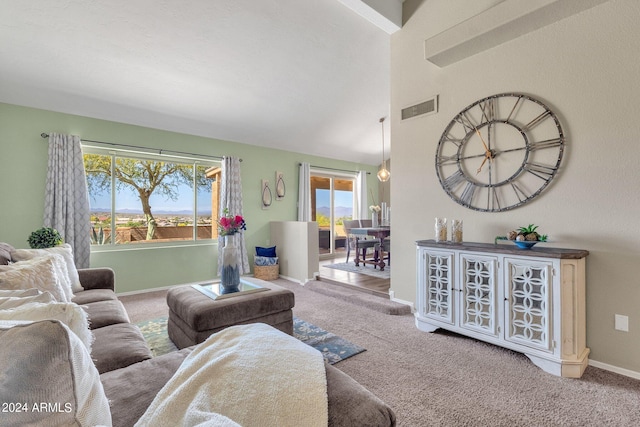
pixel 5 253
pixel 67 253
pixel 39 273
pixel 19 292
pixel 265 260
pixel 70 314
pixel 268 252
pixel 12 302
pixel 49 378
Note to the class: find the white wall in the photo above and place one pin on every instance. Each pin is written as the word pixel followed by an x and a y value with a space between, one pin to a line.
pixel 586 68
pixel 297 248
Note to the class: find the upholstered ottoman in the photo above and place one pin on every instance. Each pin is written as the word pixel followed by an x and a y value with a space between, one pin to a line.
pixel 193 316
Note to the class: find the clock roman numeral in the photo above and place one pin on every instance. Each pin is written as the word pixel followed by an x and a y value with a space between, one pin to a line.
pixel 493 202
pixel 514 107
pixel 467 193
pixel 453 181
pixel 447 160
pixel 466 122
pixel 535 122
pixel 456 141
pixel 488 108
pixel 548 143
pixel 543 172
pixel 520 194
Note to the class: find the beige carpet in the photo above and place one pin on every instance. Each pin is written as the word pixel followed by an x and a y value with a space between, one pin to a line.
pixel 443 379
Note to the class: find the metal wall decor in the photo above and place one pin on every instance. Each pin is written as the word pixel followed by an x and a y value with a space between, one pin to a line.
pixel 500 152
pixel 265 194
pixel 281 189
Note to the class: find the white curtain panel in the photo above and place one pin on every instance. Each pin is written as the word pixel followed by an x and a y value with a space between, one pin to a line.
pixel 304 193
pixel 66 203
pixel 362 210
pixel 231 199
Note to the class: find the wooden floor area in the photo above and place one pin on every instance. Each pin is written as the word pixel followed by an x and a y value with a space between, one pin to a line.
pixel 369 284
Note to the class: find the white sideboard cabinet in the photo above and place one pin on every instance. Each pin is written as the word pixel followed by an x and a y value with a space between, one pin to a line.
pixel 528 300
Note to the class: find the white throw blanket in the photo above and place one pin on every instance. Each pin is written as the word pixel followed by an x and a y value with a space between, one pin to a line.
pixel 252 374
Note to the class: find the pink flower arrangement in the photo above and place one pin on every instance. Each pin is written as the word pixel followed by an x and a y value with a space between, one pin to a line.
pixel 231 224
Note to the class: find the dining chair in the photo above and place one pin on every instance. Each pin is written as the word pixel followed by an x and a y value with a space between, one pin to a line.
pixel 386 245
pixel 355 241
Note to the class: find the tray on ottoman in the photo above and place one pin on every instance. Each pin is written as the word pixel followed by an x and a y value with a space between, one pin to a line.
pixel 194 316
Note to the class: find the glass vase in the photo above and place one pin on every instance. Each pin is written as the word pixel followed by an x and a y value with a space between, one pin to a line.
pixel 230 278
pixel 441 229
pixel 374 219
pixel 456 231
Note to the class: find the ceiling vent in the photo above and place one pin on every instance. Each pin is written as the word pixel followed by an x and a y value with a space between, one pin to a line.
pixel 427 107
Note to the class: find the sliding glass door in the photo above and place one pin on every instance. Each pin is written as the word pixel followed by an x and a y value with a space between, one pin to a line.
pixel 332 202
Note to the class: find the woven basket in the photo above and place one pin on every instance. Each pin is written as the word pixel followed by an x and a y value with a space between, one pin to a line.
pixel 266 272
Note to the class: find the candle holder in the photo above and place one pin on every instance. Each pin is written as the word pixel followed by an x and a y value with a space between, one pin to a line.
pixel 456 231
pixel 441 229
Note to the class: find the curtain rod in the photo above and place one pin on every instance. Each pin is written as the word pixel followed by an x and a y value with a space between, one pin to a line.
pixel 160 151
pixel 333 169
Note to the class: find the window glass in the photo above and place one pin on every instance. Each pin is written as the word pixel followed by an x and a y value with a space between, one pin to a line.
pixel 148 199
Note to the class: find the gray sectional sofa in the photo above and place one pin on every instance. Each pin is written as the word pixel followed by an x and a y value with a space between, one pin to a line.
pixel 131 377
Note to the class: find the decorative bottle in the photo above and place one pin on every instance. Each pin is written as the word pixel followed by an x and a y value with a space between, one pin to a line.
pixel 230 279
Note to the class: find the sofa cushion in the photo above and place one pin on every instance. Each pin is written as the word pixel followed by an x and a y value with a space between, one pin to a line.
pixel 132 389
pixel 40 273
pixel 104 313
pixel 49 373
pixel 5 253
pixel 117 346
pixel 68 313
pixel 63 250
pixel 93 295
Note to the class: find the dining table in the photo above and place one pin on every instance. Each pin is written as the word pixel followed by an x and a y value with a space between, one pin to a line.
pixel 381 233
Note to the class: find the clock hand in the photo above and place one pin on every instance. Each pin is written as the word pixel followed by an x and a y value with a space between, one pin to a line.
pixel 486 149
pixel 496 152
pixel 475 156
pixel 483 162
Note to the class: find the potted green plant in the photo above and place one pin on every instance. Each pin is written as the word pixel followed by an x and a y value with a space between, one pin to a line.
pixel 44 237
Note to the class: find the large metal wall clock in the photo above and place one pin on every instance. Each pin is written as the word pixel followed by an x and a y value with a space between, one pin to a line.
pixel 500 152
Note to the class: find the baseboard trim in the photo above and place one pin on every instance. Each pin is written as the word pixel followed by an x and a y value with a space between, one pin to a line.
pixel 615 369
pixel 401 301
pixel 294 280
pixel 143 291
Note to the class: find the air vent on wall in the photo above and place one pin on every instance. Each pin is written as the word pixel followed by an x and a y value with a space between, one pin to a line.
pixel 429 106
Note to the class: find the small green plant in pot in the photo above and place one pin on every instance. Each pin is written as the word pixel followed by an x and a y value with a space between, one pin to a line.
pixel 44 237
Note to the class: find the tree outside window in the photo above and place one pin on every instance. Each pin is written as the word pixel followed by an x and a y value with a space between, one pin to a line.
pixel 149 199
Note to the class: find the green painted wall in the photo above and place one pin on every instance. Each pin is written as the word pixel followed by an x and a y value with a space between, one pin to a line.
pixel 23 164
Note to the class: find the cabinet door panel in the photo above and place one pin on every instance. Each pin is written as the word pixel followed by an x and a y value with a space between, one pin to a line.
pixel 478 293
pixel 528 298
pixel 439 289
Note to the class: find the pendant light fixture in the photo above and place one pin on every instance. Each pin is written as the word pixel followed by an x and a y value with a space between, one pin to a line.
pixel 383 173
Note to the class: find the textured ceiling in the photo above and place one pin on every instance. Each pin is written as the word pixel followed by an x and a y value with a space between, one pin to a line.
pixel 310 76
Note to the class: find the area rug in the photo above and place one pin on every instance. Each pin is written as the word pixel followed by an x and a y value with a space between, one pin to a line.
pixel 362 269
pixel 155 333
pixel 333 348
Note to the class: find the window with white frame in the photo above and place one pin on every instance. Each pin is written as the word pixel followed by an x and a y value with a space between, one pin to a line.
pixel 137 198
